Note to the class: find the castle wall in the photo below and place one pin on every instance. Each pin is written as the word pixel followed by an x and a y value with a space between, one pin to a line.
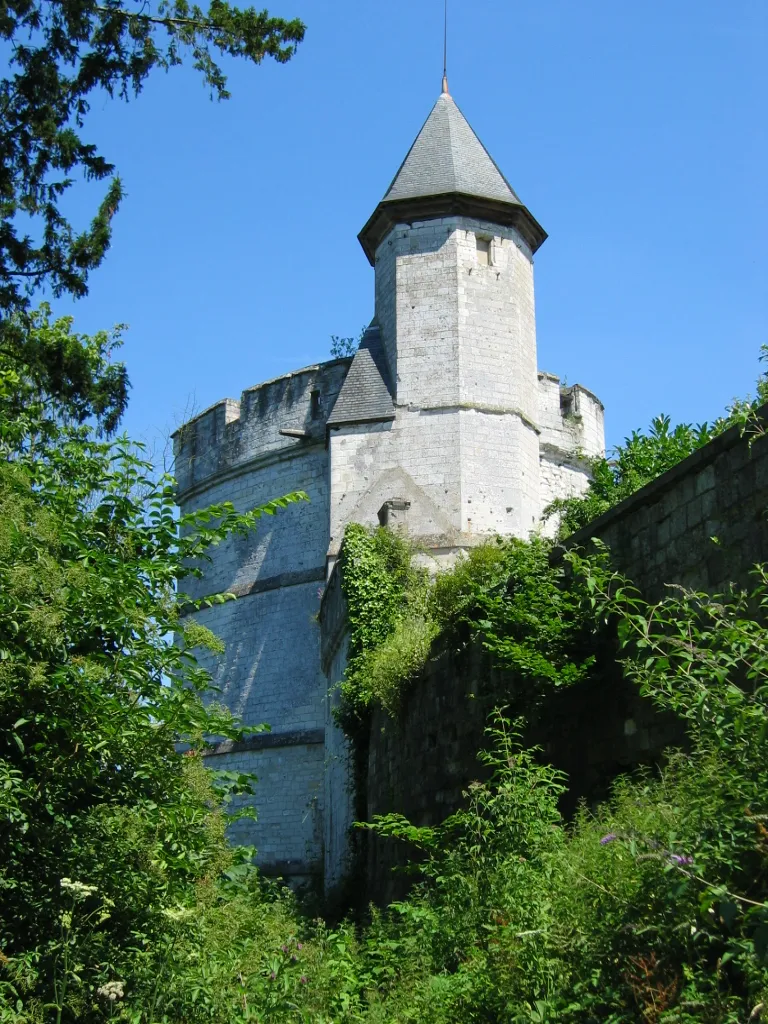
pixel 497 320
pixel 270 671
pixel 369 463
pixel 499 474
pixel 572 431
pixel 702 524
pixel 339 796
pixel 461 339
pixel 420 762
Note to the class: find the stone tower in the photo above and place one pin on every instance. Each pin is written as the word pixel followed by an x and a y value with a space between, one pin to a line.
pixel 452 247
pixel 440 422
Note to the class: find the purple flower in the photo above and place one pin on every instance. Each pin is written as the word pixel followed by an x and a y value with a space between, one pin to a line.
pixel 608 839
pixel 272 975
pixel 294 958
pixel 681 858
pixel 284 949
pixel 303 979
pixel 299 945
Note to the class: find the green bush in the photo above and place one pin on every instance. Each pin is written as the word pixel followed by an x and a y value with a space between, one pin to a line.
pixel 649 908
pixel 508 595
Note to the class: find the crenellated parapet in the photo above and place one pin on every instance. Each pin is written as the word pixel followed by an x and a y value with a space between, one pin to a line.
pixel 277 418
pixel 571 433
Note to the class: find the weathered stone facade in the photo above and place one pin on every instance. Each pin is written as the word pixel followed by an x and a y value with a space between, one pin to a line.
pixel 441 413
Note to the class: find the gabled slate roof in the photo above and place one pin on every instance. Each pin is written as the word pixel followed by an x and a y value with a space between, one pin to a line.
pixel 447 156
pixel 365 395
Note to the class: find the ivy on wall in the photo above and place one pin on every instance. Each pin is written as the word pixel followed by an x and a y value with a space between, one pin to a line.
pixel 383 589
pixel 532 614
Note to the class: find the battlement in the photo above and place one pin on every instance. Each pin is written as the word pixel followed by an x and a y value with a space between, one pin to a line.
pixel 571 418
pixel 228 435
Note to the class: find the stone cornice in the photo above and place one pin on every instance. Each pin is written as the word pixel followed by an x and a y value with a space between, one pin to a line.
pixel 267 740
pixel 450 204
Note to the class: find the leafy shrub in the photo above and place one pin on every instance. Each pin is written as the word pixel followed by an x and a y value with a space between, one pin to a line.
pixel 385 595
pixel 107 828
pixel 649 908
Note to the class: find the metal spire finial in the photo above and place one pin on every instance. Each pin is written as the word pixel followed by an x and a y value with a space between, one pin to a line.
pixel 445 51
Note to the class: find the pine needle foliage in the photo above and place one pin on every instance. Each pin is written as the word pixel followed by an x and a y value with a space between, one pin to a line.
pixel 62 55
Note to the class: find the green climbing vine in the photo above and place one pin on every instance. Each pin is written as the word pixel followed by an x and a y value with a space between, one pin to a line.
pixel 384 590
pixel 532 613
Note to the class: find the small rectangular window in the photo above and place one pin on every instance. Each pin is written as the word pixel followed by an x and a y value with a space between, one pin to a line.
pixel 483 251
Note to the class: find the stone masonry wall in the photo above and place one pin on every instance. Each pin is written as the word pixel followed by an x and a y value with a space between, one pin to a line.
pixel 461 341
pixel 420 763
pixel 270 671
pixel 572 431
pixel 702 524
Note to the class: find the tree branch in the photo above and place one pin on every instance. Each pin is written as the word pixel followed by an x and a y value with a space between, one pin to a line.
pixel 202 25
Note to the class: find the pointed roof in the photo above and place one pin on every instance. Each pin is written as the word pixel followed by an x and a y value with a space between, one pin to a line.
pixel 447 156
pixel 448 171
pixel 366 395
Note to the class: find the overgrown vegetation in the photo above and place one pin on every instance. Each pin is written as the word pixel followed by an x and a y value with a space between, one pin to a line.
pixel 507 595
pixel 651 907
pixel 120 895
pixel 107 830
pixel 646 455
pixel 344 348
pixel 123 900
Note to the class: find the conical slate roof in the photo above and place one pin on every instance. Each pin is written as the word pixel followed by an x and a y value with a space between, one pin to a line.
pixel 448 172
pixel 447 156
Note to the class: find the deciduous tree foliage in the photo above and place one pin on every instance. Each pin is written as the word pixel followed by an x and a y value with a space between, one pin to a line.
pixel 95 695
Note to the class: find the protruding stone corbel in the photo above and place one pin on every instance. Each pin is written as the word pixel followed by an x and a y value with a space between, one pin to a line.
pixel 393 514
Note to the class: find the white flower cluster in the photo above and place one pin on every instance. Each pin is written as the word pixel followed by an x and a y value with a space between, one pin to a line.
pixel 79 890
pixel 112 990
pixel 177 913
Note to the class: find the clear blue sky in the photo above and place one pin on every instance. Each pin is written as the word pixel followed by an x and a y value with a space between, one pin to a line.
pixel 636 133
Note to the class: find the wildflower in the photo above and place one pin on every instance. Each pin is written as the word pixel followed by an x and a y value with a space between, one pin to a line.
pixel 113 990
pixel 303 979
pixel 299 945
pixel 681 858
pixel 608 839
pixel 177 913
pixel 272 975
pixel 294 958
pixel 79 890
pixel 284 949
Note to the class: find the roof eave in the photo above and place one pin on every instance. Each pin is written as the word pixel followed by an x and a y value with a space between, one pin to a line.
pixel 351 421
pixel 448 204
